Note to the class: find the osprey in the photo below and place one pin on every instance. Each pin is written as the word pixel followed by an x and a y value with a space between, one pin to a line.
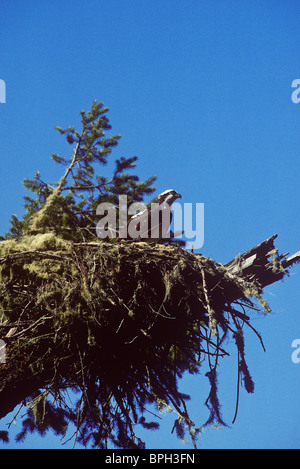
pixel 153 223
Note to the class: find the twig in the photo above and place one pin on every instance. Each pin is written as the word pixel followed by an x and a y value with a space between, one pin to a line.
pixel 43 318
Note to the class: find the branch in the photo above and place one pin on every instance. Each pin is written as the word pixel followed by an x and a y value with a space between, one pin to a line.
pixel 38 217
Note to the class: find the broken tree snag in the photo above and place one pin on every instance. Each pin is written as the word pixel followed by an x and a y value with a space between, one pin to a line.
pixel 120 324
pixel 262 264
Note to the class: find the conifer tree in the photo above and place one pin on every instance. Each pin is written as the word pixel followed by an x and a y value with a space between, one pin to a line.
pixel 68 207
pixel 118 324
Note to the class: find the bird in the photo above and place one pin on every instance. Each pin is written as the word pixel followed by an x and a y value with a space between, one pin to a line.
pixel 153 223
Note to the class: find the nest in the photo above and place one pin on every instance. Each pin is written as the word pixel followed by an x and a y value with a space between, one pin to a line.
pixel 119 324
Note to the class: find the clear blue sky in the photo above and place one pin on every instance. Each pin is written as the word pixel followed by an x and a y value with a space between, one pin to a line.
pixel 200 90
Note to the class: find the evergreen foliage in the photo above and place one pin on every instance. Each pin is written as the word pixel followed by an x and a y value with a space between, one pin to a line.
pixel 68 207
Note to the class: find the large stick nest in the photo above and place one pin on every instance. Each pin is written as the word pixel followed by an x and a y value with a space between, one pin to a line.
pixel 117 322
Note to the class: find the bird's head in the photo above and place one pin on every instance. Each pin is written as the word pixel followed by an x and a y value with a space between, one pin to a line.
pixel 168 197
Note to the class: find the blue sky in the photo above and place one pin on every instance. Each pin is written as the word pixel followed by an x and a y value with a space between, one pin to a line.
pixel 200 91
